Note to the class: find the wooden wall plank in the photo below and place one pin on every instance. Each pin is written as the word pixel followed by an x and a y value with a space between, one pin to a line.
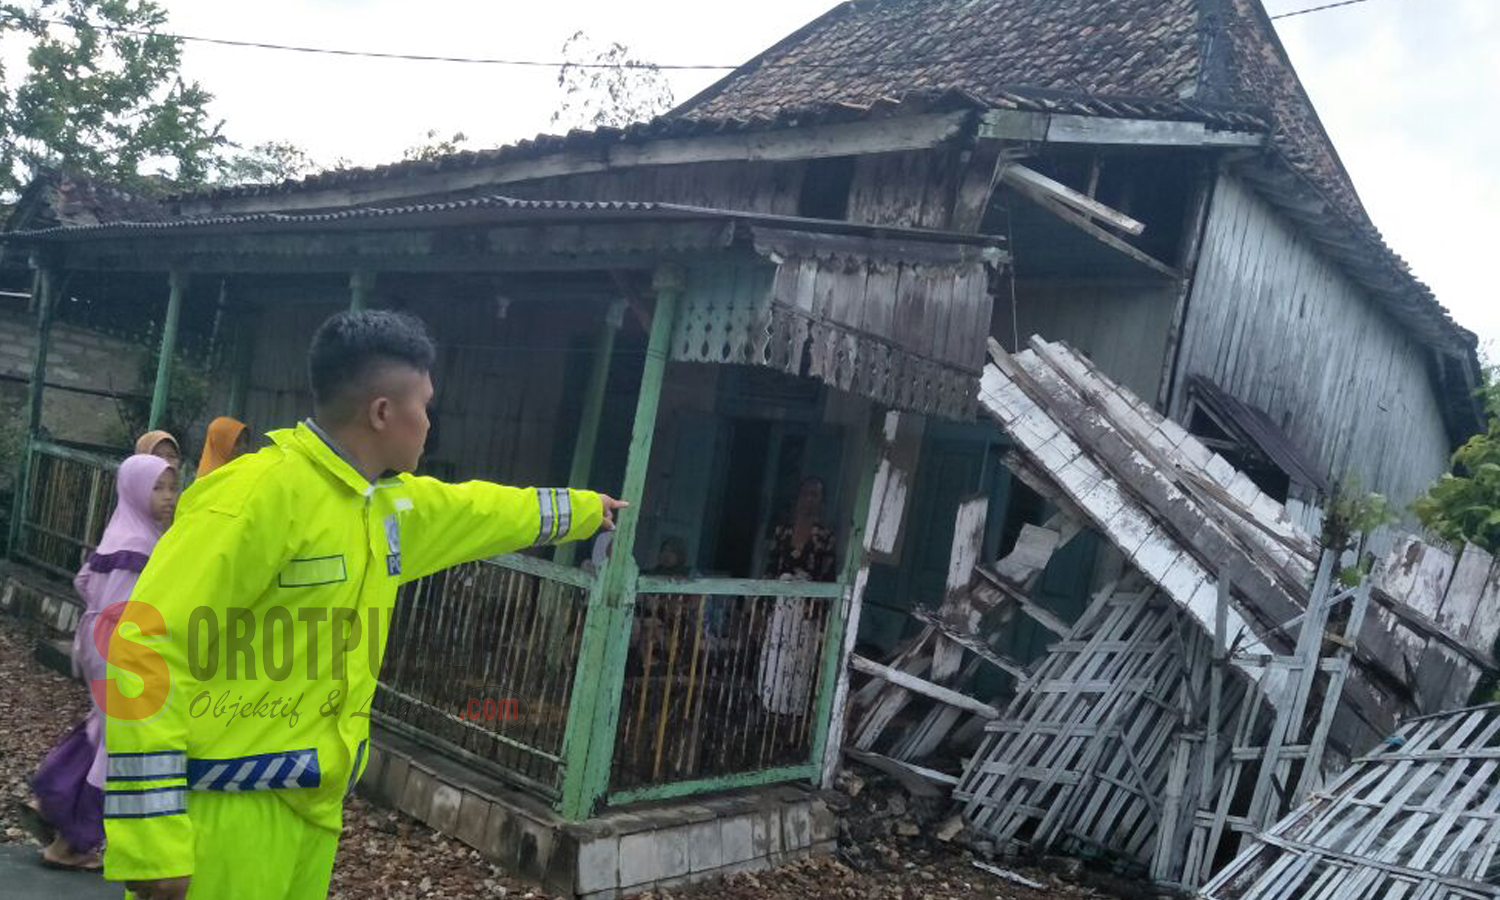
pixel 1278 325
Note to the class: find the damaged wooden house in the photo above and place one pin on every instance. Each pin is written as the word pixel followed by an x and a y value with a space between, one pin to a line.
pixel 775 303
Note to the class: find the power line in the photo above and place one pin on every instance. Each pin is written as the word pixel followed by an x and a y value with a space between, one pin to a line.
pixel 78 24
pixel 374 54
pixel 1313 9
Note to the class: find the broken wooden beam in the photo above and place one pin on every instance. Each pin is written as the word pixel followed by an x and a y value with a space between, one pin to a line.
pixel 1031 181
pixel 923 686
pixel 918 781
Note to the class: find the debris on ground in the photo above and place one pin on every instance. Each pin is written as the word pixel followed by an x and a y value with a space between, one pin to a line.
pixel 890 848
pixel 384 853
pixel 1008 875
pixel 38 707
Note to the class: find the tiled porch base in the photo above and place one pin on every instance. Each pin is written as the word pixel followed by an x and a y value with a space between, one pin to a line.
pixel 617 854
pixel 37 598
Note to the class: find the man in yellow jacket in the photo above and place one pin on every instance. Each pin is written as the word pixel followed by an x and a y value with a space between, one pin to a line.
pixel 258 626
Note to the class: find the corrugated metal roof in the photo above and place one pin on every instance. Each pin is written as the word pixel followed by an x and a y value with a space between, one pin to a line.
pixel 497 203
pixel 501 211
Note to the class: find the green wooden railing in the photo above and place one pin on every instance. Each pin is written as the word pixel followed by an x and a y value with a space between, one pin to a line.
pixel 723 685
pixel 62 505
pixel 697 685
pixel 481 663
pixel 724 682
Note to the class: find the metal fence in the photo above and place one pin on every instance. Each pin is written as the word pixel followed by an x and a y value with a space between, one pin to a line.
pixel 722 682
pixel 482 659
pixel 64 503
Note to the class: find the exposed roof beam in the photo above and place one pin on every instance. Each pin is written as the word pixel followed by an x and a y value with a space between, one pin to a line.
pixel 1019 125
pixel 1084 224
pixel 1030 180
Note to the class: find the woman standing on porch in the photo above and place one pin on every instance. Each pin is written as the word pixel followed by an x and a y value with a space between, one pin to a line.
pixel 800 551
pixel 69 784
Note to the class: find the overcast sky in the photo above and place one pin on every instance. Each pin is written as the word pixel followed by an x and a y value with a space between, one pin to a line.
pixel 1409 89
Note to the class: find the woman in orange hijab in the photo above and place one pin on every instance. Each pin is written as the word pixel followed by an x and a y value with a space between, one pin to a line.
pixel 227 439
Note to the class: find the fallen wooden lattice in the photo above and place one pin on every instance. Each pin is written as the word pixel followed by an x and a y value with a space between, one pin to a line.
pixel 1135 737
pixel 1417 818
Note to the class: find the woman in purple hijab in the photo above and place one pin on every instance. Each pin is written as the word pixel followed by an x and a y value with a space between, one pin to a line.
pixel 69 785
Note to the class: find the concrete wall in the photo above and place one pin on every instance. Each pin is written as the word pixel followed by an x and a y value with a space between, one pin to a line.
pixel 78 357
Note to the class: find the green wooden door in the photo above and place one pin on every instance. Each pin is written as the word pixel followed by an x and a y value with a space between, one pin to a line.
pixel 686 488
pixel 957 463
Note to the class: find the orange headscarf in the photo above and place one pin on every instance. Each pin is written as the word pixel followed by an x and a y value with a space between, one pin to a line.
pixel 148 442
pixel 218 447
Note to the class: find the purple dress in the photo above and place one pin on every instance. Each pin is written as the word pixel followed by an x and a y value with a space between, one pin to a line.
pixel 69 786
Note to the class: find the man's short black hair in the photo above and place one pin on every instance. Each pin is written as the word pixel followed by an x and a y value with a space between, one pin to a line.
pixel 349 343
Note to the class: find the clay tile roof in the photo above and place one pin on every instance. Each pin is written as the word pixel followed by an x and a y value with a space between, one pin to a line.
pixel 1210 60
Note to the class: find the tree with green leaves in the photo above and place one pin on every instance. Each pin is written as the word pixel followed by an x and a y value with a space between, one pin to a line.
pixel 270 162
pixel 434 146
pixel 1464 505
pixel 103 95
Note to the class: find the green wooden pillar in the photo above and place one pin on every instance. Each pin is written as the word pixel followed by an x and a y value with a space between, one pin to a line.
pixel 593 410
pixel 177 287
pixel 589 741
pixel 44 286
pixel 361 286
pixel 239 361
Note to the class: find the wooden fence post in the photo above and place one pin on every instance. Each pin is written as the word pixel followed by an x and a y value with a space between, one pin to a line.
pixel 160 393
pixel 593 411
pixel 361 286
pixel 44 285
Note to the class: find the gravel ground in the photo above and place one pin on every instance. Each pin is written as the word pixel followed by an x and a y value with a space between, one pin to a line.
pixel 385 854
pixel 949 878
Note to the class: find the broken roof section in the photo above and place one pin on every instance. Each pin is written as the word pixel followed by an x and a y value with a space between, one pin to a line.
pixel 1418 817
pixel 1251 427
pixel 1184 517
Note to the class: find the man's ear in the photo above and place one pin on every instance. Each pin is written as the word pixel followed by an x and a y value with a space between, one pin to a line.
pixel 380 413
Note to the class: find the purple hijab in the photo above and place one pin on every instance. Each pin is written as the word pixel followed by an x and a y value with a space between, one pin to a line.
pixel 110 575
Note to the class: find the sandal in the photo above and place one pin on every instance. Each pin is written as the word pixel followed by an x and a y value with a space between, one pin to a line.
pixel 87 862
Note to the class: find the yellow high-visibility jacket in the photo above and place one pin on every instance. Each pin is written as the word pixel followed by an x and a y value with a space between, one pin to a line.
pixel 272 564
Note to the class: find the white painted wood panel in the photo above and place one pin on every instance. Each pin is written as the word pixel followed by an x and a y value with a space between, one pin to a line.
pixel 1278 325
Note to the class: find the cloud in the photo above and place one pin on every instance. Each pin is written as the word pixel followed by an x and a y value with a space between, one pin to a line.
pixel 1407 91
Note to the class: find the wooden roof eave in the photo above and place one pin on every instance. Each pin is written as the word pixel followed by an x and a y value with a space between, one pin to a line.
pixel 488 239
